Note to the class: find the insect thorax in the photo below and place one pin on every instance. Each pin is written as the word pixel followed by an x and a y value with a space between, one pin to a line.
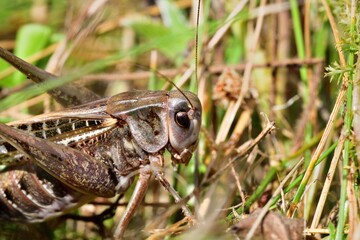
pixel 120 152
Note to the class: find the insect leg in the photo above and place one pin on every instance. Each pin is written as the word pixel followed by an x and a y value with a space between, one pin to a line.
pixel 70 166
pixel 157 163
pixel 172 191
pixel 68 95
pixel 137 196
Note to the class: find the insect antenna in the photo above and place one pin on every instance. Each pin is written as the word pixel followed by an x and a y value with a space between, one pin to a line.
pixel 197 41
pixel 157 72
pixel 166 79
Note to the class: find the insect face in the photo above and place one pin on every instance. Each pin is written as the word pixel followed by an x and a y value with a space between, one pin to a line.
pixel 184 125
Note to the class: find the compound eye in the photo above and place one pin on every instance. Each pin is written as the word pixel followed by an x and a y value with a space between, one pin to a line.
pixel 182 119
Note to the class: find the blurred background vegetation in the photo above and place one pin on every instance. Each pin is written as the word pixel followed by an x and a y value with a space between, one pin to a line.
pixel 278 81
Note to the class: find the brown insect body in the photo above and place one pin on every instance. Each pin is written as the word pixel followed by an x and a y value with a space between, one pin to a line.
pixel 65 158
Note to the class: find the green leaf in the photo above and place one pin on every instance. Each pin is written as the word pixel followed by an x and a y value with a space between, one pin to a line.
pixel 234 51
pixel 172 16
pixel 169 41
pixel 30 39
pixel 332 231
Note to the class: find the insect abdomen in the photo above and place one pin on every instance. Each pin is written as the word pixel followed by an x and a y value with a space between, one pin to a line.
pixel 29 194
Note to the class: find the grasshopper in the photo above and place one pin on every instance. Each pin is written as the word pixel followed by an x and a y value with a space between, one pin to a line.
pixel 61 160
